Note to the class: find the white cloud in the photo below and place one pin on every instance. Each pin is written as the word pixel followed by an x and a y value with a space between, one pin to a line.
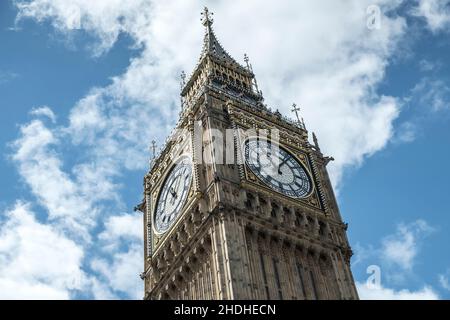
pixel 431 94
pixel 119 273
pixel 7 76
pixel 36 260
pixel 122 261
pixel 444 280
pixel 44 111
pixel 406 132
pixel 394 261
pixel 104 19
pixel 41 168
pixel 399 249
pixel 435 12
pixel 427 65
pixel 361 253
pixel 402 247
pixel 74 196
pixel 320 55
pixel 292 50
pixel 378 292
pixel 126 226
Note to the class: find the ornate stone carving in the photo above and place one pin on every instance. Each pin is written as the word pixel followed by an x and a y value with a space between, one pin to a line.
pixel 236 238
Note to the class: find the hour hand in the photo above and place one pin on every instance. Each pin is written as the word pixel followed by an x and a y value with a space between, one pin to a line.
pixel 173 193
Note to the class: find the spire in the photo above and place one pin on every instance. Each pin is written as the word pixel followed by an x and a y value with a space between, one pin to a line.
pixel 182 84
pixel 207 18
pixel 210 43
pixel 183 78
pixel 296 110
pixel 316 143
pixel 247 62
pixel 250 69
pixel 220 68
pixel 153 149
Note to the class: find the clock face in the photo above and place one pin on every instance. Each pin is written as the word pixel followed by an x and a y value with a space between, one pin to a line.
pixel 173 195
pixel 277 168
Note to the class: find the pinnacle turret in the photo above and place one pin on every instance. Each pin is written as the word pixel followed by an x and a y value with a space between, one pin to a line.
pixel 211 45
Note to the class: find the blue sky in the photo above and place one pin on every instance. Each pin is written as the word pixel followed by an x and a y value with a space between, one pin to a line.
pixel 86 86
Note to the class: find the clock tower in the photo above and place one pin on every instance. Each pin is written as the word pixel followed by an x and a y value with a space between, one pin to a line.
pixel 238 203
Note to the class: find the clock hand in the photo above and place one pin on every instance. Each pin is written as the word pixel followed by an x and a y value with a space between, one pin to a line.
pixel 282 163
pixel 177 183
pixel 273 161
pixel 266 165
pixel 174 195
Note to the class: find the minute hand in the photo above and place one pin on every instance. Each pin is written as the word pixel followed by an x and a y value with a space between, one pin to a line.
pixel 282 163
pixel 177 183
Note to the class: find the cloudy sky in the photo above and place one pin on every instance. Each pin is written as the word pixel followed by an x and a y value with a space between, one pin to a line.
pixel 86 85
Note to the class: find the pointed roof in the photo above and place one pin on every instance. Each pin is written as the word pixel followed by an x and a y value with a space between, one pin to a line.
pixel 213 49
pixel 211 45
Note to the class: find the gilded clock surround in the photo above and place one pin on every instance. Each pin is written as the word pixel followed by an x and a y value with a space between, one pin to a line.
pixel 182 203
pixel 271 183
pixel 235 238
pixel 297 145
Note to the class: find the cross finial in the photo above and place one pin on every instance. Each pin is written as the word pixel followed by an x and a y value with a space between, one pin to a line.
pixel 247 62
pixel 296 110
pixel 182 84
pixel 183 78
pixel 207 17
pixel 153 147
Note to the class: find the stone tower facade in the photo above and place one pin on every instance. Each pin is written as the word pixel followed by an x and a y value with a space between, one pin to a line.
pixel 238 204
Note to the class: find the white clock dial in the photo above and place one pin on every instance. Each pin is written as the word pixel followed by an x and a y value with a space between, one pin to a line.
pixel 173 195
pixel 277 168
